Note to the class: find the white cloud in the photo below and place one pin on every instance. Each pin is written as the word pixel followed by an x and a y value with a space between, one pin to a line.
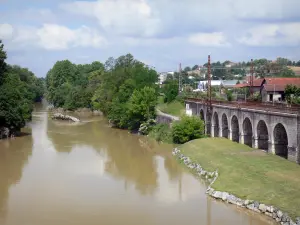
pixel 215 39
pixel 57 37
pixel 284 34
pixel 125 17
pixel 6 31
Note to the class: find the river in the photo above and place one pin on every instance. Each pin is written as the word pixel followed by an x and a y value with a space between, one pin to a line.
pixel 88 174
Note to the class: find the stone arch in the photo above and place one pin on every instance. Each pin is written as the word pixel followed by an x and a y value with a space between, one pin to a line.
pixel 202 115
pixel 280 141
pixel 216 124
pixel 248 133
pixel 208 122
pixel 224 126
pixel 235 129
pixel 262 135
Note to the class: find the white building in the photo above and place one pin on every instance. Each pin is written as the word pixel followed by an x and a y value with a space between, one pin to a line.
pixel 163 76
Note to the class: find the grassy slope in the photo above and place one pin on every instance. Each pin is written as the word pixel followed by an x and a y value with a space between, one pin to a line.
pixel 174 108
pixel 248 173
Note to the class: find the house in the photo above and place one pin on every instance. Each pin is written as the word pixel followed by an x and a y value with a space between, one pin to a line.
pixel 273 88
pixel 163 76
pixel 229 83
pixel 256 87
pixel 203 84
pixel 230 64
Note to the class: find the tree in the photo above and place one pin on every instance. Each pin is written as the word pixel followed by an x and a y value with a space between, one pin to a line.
pixel 195 67
pixel 19 88
pixel 283 61
pixel 292 94
pixel 187 69
pixel 142 106
pixel 2 61
pixel 287 72
pixel 170 90
pixel 188 128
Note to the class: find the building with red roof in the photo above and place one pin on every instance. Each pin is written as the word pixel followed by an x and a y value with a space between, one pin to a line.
pixel 273 88
pixel 270 88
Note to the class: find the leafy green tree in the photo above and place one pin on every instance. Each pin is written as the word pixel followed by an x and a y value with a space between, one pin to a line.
pixel 77 97
pixel 2 61
pixel 195 67
pixel 188 128
pixel 19 88
pixel 287 72
pixel 187 69
pixel 292 94
pixel 170 90
pixel 141 106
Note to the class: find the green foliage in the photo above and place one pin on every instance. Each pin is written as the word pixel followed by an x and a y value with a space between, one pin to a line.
pixel 19 88
pixel 170 90
pixel 141 106
pixel 127 92
pixel 188 128
pixel 72 86
pixel 161 133
pixel 292 94
pixel 229 95
pixel 287 72
pixel 255 97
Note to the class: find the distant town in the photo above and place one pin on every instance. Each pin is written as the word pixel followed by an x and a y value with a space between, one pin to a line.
pixel 270 77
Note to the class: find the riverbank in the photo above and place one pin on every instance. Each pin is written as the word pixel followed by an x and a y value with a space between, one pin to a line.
pixel 248 173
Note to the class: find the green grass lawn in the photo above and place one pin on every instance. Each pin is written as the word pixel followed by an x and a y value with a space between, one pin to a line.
pixel 174 108
pixel 249 173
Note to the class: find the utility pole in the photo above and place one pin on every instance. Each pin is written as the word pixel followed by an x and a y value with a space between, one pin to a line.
pixel 179 80
pixel 251 78
pixel 209 81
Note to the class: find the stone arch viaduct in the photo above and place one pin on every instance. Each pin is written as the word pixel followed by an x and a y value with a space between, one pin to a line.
pixel 276 132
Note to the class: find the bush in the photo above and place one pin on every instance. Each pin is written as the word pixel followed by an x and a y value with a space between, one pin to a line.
pixel 188 128
pixel 255 97
pixel 229 95
pixel 161 132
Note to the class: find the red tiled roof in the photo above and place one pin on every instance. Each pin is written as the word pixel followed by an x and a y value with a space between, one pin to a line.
pixel 256 82
pixel 240 85
pixel 283 81
pixel 279 83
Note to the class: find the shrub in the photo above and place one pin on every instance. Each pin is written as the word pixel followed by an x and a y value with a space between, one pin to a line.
pixel 188 128
pixel 229 95
pixel 161 132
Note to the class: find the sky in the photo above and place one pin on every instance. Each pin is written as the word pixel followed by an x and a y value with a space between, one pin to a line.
pixel 160 33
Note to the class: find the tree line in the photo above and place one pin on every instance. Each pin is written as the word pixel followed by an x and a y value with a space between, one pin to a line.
pixel 124 89
pixel 19 89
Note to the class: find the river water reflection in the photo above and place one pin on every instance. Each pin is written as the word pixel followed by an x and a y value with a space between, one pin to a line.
pixel 88 174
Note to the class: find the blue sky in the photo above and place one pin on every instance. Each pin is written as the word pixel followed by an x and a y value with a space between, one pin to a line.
pixel 160 33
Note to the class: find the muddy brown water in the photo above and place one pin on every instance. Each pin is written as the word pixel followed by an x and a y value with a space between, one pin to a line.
pixel 67 174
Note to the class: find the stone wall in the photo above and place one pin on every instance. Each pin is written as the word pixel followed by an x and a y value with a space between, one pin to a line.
pixel 271 211
pixel 165 118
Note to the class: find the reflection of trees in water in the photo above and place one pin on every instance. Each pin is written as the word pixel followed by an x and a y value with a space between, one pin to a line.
pixel 171 166
pixel 130 157
pixel 14 155
pixel 128 160
pixel 64 136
